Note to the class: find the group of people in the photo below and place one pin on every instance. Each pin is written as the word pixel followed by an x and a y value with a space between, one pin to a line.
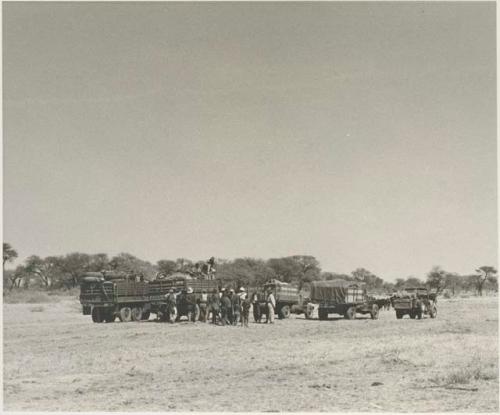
pixel 224 307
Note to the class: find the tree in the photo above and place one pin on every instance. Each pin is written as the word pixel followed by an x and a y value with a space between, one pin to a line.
pixel 42 268
pixel 371 280
pixel 437 279
pixel 9 254
pixel 132 265
pixel 166 266
pixel 485 273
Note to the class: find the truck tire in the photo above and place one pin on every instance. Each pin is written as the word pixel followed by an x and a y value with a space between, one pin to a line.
pixel 125 314
pixel 350 313
pixel 145 315
pixel 399 315
pixel 97 316
pixel 374 312
pixel 136 313
pixel 284 312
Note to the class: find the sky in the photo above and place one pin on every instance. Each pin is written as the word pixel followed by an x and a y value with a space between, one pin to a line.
pixel 363 134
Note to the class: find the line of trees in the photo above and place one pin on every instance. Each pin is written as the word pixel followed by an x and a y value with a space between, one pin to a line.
pixel 64 271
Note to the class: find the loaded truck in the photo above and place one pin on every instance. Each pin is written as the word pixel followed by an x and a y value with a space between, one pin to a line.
pixel 346 298
pixel 107 296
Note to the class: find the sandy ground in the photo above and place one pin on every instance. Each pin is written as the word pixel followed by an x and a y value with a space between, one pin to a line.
pixel 57 359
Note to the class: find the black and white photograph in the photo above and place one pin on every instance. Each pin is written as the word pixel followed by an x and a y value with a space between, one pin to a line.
pixel 234 206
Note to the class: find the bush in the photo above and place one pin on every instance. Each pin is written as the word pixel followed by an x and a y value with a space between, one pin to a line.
pixel 27 297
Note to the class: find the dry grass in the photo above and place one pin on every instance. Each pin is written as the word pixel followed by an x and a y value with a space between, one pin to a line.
pixel 294 365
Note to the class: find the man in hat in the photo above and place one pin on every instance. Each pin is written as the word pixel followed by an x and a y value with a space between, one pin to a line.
pixel 271 306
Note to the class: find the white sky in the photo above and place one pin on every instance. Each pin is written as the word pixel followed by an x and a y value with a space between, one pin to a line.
pixel 361 133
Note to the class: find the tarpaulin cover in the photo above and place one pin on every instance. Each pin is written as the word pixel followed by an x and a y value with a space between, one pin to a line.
pixel 334 290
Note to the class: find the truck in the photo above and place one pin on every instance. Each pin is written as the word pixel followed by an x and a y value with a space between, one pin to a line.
pixel 289 299
pixel 107 296
pixel 346 298
pixel 181 283
pixel 416 302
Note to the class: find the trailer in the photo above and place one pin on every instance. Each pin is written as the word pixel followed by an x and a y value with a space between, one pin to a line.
pixel 346 298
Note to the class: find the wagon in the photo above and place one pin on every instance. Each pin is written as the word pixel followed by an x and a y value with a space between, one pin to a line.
pixel 415 302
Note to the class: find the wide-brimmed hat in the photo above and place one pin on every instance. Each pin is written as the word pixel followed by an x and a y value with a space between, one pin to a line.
pixel 189 290
pixel 242 289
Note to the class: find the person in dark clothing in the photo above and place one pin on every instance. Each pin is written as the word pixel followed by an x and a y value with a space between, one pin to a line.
pixel 225 303
pixel 191 306
pixel 214 306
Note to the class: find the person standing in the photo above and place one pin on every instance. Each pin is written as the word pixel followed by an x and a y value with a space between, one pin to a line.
pixel 171 306
pixel 245 311
pixel 271 305
pixel 214 306
pixel 203 304
pixel 225 305
pixel 235 308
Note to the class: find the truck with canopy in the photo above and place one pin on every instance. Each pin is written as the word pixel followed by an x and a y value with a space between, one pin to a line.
pixel 342 297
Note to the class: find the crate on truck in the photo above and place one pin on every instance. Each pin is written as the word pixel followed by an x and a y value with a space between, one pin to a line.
pixel 346 298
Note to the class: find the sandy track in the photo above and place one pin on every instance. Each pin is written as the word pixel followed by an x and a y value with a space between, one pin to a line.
pixel 57 359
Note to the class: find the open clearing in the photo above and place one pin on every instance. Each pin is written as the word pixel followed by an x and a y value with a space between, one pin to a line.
pixel 56 359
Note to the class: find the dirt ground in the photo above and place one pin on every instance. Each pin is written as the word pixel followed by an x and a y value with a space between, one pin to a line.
pixel 56 359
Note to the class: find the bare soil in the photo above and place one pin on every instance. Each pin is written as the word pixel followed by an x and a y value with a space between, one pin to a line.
pixel 56 359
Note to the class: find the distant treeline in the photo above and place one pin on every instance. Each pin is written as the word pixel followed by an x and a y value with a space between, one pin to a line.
pixel 65 271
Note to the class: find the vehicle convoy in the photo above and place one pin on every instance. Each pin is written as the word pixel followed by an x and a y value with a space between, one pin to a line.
pixel 106 296
pixel 346 298
pixel 289 299
pixel 416 302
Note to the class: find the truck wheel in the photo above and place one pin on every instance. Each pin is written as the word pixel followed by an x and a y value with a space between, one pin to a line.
pixel 399 315
pixel 97 316
pixel 125 314
pixel 145 315
pixel 350 314
pixel 374 312
pixel 284 312
pixel 136 314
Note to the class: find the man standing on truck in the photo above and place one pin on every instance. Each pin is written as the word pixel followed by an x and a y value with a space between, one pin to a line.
pixel 271 305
